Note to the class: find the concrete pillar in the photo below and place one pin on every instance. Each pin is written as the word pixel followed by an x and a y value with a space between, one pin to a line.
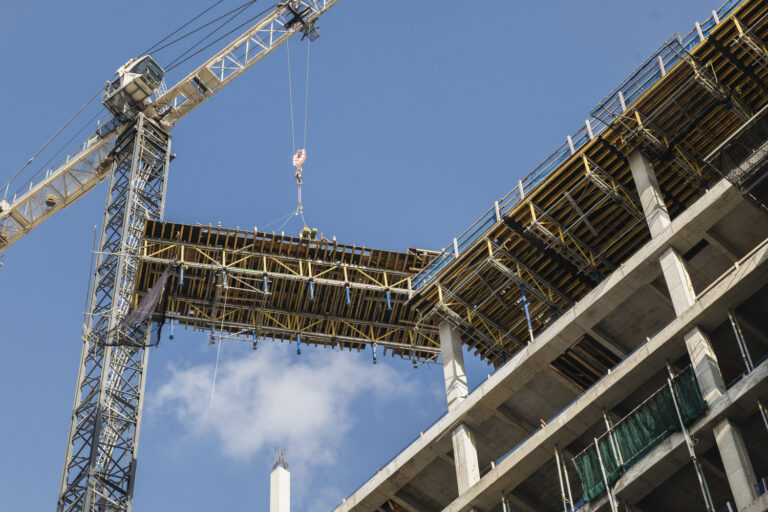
pixel 677 278
pixel 456 390
pixel 649 192
pixel 453 364
pixel 465 458
pixel 704 362
pixel 738 467
pixel 280 488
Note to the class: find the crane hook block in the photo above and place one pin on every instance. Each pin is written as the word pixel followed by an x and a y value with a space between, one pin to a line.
pixel 299 158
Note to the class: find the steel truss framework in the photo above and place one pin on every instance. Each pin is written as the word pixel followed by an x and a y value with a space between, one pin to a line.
pixel 575 224
pixel 89 164
pixel 255 286
pixel 103 436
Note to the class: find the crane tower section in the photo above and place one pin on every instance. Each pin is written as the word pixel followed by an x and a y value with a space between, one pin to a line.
pixel 104 429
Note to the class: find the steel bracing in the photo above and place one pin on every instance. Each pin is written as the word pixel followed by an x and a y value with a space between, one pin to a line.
pixel 103 436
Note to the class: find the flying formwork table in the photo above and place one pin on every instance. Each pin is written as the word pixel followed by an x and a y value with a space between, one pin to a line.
pixel 252 285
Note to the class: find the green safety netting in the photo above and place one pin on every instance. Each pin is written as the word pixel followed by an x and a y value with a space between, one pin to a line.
pixel 638 433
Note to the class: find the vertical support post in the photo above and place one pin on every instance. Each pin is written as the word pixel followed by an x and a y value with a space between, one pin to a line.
pixel 465 458
pixel 456 389
pixel 608 489
pixel 763 413
pixel 560 470
pixel 740 341
pixel 614 441
pixel 527 312
pixel 736 462
pixel 102 444
pixel 649 192
pixel 698 30
pixel 589 129
pixel 678 281
pixel 689 444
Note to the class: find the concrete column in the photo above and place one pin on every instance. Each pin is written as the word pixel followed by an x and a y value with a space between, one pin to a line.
pixel 705 366
pixel 465 458
pixel 280 489
pixel 453 364
pixel 456 390
pixel 678 280
pixel 649 192
pixel 738 467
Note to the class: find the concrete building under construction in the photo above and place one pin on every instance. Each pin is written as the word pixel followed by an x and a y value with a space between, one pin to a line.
pixel 619 289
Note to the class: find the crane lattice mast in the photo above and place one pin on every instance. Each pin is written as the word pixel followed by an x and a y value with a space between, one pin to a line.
pixel 133 151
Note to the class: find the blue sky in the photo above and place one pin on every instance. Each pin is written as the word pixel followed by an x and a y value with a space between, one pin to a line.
pixel 421 114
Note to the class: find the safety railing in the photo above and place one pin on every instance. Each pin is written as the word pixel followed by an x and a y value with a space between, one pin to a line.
pixel 628 92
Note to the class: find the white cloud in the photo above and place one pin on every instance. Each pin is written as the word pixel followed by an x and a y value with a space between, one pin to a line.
pixel 269 398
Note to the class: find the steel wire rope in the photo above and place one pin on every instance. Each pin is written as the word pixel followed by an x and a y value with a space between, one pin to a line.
pixel 299 210
pixel 154 46
pixel 275 221
pixel 48 143
pixel 176 63
pixel 66 144
pixel 234 13
pixel 306 98
pixel 230 16
pixel 221 342
pixel 290 98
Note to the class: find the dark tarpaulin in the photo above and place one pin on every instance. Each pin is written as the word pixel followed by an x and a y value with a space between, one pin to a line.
pixel 147 305
pixel 130 330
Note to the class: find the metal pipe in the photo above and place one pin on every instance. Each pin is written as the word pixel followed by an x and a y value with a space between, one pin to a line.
pixel 527 313
pixel 568 486
pixel 608 490
pixel 689 443
pixel 763 413
pixel 614 441
pixel 560 479
pixel 740 341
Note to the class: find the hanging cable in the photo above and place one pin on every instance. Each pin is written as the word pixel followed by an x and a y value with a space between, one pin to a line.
pixel 154 46
pixel 306 99
pixel 231 15
pixel 7 185
pixel 299 155
pixel 176 63
pixel 290 98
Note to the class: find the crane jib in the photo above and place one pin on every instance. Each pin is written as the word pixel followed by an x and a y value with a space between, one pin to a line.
pixel 69 182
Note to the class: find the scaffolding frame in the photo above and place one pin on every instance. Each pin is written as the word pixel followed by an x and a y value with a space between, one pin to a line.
pixel 249 285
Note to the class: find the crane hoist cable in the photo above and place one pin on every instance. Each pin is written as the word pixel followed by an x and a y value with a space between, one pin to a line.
pixel 300 155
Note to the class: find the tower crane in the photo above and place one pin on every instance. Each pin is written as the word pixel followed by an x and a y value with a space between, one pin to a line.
pixel 132 151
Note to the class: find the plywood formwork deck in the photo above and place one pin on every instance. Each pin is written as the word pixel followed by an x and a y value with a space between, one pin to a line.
pixel 577 217
pixel 254 285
